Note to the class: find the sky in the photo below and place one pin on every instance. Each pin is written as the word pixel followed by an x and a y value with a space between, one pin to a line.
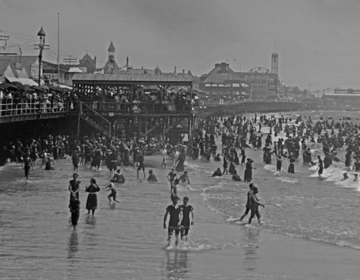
pixel 318 41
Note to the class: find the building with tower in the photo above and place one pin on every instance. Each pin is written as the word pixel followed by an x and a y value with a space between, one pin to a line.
pixel 257 83
pixel 111 66
pixel 88 62
pixel 275 63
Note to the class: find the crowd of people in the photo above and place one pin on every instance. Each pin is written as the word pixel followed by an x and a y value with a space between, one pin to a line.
pixel 142 100
pixel 20 100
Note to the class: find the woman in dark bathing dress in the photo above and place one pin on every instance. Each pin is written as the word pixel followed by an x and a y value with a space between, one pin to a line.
pixel 248 170
pixel 180 162
pixel 291 168
pixel 91 202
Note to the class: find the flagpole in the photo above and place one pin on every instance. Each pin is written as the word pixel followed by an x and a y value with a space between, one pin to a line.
pixel 58 57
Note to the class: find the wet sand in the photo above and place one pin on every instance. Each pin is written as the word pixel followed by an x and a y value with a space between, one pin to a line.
pixel 126 240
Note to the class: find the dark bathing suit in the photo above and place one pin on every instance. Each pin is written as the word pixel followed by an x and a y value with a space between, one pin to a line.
pixel 174 219
pixel 185 223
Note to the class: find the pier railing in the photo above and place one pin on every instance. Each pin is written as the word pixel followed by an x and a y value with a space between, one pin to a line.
pixel 11 107
pixel 138 107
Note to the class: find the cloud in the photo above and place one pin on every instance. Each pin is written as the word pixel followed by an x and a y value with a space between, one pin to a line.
pixel 316 39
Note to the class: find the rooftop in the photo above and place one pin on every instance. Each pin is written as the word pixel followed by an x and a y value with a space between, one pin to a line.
pixel 130 78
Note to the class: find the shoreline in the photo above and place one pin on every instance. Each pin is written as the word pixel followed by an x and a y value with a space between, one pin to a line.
pixel 253 253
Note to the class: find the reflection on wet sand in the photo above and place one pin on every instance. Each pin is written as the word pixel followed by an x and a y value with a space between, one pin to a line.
pixel 112 205
pixel 90 221
pixel 177 266
pixel 72 269
pixel 73 244
pixel 250 249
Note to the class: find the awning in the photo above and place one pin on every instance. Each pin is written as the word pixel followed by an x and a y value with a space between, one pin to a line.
pixel 23 81
pixel 64 86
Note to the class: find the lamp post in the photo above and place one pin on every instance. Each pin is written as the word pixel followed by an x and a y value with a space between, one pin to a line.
pixel 41 47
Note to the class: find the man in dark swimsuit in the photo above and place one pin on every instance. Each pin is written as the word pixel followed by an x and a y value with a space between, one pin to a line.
pixel 175 213
pixel 185 222
pixel 248 201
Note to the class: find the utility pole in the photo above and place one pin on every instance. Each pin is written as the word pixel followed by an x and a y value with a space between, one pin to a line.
pixel 58 56
pixel 71 61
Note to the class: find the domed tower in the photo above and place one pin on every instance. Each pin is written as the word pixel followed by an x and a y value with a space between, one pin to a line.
pixel 111 67
pixel 111 51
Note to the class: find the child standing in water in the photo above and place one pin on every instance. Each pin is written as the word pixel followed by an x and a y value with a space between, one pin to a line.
pixel 111 187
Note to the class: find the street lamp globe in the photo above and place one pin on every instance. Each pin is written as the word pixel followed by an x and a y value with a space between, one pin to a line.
pixel 41 33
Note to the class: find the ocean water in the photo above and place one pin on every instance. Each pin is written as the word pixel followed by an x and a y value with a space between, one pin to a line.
pixel 126 240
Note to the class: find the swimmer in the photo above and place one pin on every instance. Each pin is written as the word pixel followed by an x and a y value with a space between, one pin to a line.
pixel 171 176
pixel 173 188
pixel 217 173
pixel 236 177
pixel 187 211
pixel 111 187
pixel 321 166
pixel 248 201
pixel 152 178
pixel 74 207
pixel 141 165
pixel 118 177
pixel 27 164
pixel 74 186
pixel 254 206
pixel 184 178
pixel 164 161
pixel 175 213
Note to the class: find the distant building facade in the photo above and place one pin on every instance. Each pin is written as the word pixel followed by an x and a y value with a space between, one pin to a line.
pixel 88 62
pixel 222 80
pixel 264 84
pixel 258 83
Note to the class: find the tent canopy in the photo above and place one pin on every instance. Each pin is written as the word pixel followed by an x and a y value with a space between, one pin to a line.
pixel 22 81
